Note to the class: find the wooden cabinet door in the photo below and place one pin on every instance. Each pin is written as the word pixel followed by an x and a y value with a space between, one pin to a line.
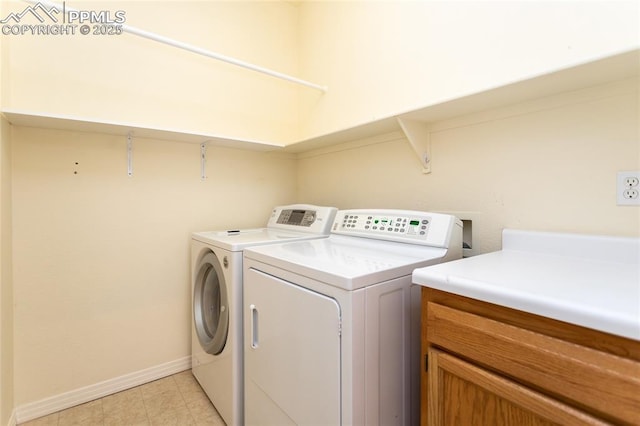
pixel 599 383
pixel 460 393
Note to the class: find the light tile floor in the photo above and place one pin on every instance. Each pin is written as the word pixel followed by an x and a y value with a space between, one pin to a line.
pixel 174 400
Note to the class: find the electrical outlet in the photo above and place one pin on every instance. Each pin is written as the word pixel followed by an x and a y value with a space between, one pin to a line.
pixel 628 188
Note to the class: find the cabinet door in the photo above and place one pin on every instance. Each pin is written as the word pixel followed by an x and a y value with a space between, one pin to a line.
pixel 563 369
pixel 463 394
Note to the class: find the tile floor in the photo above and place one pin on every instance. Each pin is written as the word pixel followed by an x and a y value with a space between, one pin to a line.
pixel 174 400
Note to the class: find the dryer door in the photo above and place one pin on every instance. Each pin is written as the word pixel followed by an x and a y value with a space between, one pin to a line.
pixel 292 353
pixel 210 305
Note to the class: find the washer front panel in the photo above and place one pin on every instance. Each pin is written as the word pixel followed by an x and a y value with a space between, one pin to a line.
pixel 211 305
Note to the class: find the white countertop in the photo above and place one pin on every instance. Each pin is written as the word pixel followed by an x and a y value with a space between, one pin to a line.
pixel 591 281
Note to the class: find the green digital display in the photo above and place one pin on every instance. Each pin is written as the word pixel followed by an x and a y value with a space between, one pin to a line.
pixel 414 223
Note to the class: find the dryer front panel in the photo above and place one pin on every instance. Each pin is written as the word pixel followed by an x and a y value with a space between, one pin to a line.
pixel 292 353
pixel 210 304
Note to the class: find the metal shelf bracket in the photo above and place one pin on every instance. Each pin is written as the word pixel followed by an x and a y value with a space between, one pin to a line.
pixel 129 155
pixel 203 161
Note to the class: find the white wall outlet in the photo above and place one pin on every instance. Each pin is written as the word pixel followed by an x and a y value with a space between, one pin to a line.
pixel 628 188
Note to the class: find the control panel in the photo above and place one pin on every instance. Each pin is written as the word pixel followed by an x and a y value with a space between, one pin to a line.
pixel 434 229
pixel 303 217
pixel 297 217
pixel 409 225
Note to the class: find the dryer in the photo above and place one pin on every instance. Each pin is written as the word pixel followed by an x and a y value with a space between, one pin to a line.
pixel 216 265
pixel 332 325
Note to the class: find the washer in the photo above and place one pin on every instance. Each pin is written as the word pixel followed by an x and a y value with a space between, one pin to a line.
pixel 216 265
pixel 332 325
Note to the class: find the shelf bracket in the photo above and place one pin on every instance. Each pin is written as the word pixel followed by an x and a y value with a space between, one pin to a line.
pixel 203 161
pixel 129 155
pixel 419 136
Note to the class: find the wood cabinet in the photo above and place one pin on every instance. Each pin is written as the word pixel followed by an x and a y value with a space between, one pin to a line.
pixel 489 365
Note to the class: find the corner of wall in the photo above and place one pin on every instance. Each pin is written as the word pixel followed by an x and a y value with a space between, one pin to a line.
pixel 7 412
pixel 7 401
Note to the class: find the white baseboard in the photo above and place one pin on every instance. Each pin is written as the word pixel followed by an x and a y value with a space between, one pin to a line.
pixel 72 398
pixel 12 419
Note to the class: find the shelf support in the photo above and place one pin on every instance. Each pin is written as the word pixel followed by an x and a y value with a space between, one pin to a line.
pixel 129 155
pixel 203 161
pixel 418 134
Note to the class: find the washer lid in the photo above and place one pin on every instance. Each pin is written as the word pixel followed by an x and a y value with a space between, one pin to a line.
pixel 238 240
pixel 347 262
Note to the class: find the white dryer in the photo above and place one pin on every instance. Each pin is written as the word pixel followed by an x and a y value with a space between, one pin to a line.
pixel 332 325
pixel 216 265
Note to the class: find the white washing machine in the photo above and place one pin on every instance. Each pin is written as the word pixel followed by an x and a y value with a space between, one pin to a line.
pixel 216 265
pixel 332 326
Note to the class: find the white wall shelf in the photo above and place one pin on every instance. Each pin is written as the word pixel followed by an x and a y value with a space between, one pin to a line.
pixel 45 121
pixel 414 123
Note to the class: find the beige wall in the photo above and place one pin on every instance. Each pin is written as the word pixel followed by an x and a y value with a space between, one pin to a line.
pixel 100 266
pixel 382 58
pixel 128 79
pixel 101 260
pixel 547 165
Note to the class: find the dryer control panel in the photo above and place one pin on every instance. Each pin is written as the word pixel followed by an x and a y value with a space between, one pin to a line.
pixel 414 227
pixel 303 217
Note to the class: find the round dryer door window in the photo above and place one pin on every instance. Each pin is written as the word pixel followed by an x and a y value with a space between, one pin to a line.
pixel 210 305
